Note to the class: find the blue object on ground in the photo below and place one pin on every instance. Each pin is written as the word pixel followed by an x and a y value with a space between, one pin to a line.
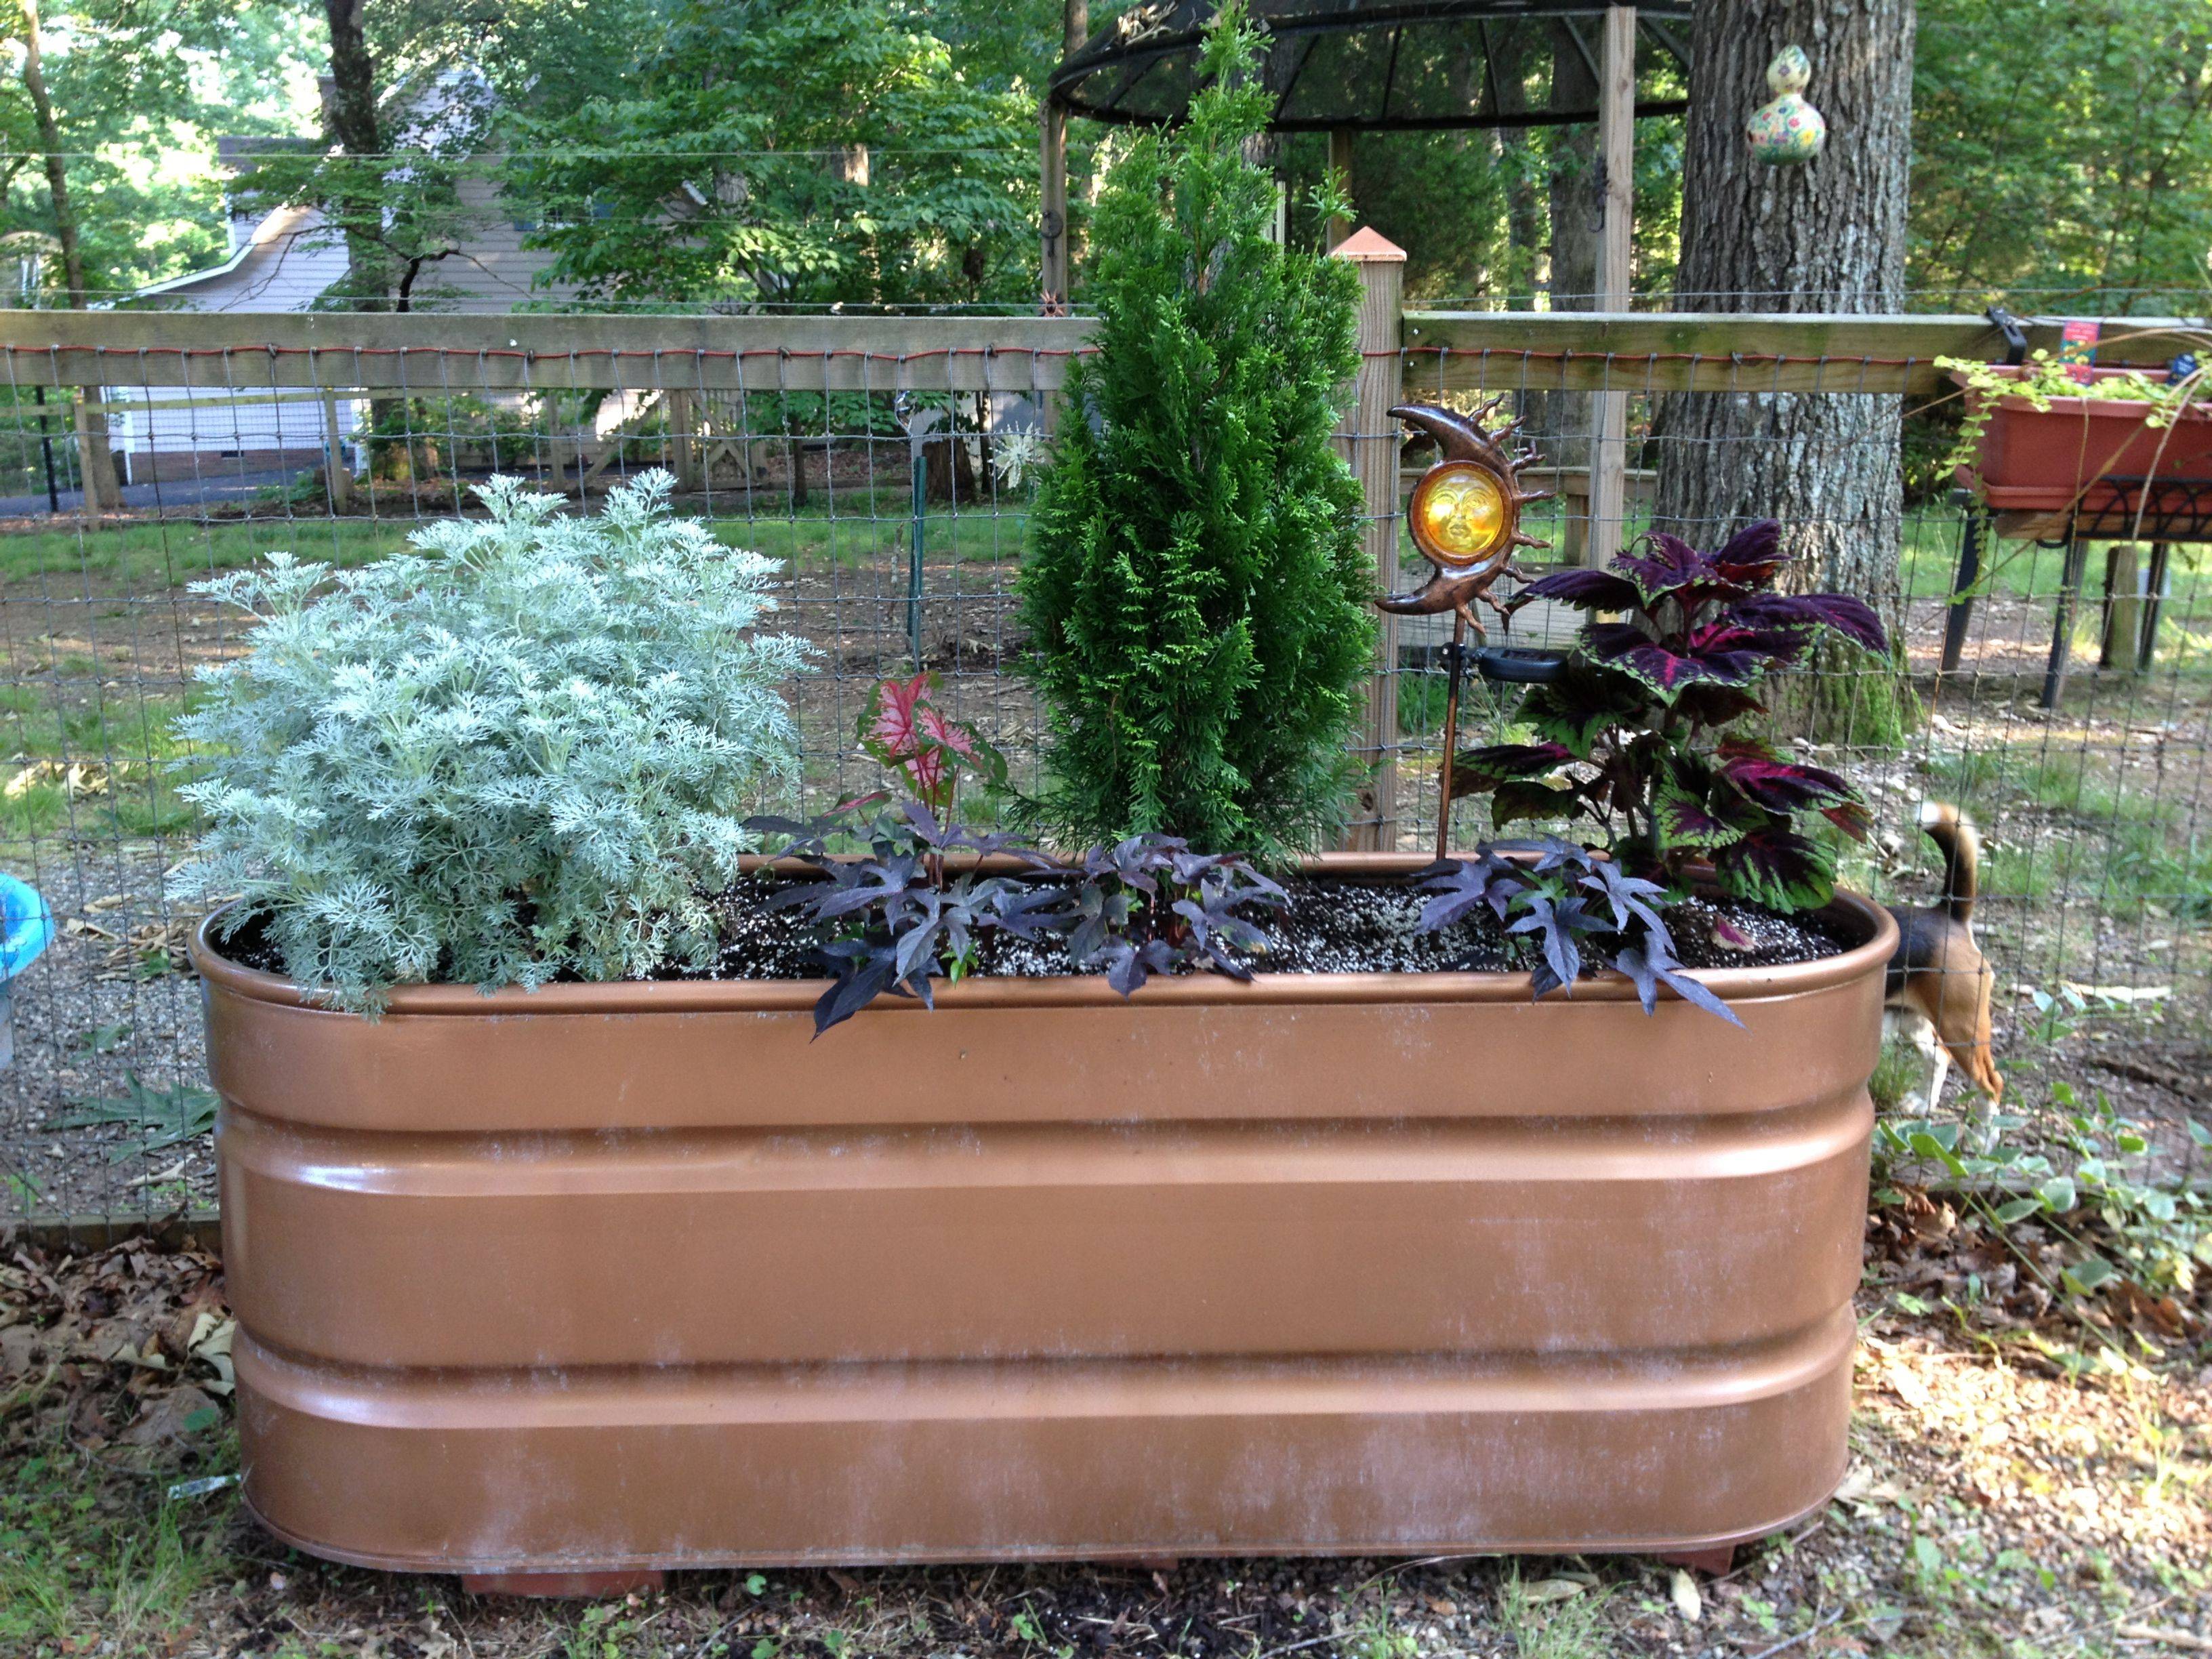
pixel 29 928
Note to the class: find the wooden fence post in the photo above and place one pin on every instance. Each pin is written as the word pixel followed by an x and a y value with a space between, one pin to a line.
pixel 95 469
pixel 683 437
pixel 337 478
pixel 1616 150
pixel 2122 646
pixel 1371 441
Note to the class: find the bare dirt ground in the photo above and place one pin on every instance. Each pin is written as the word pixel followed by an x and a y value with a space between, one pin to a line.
pixel 2016 1488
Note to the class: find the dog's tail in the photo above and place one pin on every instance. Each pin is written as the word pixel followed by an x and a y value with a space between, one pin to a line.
pixel 1954 832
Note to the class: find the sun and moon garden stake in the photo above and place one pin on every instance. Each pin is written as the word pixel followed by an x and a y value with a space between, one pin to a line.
pixel 1465 518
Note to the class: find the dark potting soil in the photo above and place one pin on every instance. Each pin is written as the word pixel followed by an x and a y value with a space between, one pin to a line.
pixel 1333 925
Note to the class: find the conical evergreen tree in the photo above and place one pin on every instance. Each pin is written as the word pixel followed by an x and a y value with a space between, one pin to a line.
pixel 1194 584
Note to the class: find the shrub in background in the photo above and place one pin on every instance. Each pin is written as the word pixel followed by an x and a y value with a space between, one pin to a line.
pixel 1194 583
pixel 523 753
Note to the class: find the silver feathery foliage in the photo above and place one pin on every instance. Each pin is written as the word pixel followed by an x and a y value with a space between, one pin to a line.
pixel 521 751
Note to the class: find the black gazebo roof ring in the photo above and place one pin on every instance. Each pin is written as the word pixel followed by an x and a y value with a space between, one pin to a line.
pixel 1374 64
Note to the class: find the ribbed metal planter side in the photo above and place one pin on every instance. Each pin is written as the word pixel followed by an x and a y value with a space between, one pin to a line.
pixel 641 1276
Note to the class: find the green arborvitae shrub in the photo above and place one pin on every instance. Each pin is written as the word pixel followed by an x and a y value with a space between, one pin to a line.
pixel 522 753
pixel 1195 585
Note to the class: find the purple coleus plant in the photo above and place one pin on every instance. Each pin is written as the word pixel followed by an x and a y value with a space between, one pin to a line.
pixel 1634 735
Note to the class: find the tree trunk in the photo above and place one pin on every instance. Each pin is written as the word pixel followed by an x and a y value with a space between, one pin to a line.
pixel 1828 236
pixel 1564 418
pixel 95 462
pixel 350 116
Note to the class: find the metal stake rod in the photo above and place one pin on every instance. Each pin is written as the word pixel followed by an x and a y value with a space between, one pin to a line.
pixel 1455 671
pixel 914 557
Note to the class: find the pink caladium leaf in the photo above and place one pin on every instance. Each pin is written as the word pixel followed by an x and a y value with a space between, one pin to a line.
pixel 903 728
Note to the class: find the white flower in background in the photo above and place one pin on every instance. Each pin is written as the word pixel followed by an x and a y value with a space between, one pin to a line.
pixel 1013 455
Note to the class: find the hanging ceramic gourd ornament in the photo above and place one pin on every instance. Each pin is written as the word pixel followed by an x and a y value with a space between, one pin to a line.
pixel 1787 132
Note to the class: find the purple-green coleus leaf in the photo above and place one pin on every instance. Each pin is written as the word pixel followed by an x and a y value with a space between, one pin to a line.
pixel 1586 590
pixel 1761 776
pixel 1687 814
pixel 1717 705
pixel 1802 615
pixel 1515 773
pixel 1584 703
pixel 1533 800
pixel 1494 763
pixel 1716 653
pixel 1778 868
pixel 1752 557
pixel 1662 567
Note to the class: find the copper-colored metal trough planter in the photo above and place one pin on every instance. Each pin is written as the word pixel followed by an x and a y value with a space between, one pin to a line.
pixel 619 1277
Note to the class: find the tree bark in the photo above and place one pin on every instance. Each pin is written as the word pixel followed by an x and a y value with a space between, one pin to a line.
pixel 1564 418
pixel 95 461
pixel 350 117
pixel 1828 236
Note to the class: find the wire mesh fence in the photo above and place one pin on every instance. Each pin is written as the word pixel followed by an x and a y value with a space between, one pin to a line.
pixel 889 464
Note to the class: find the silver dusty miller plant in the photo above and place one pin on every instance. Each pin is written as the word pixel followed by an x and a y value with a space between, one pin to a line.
pixel 524 751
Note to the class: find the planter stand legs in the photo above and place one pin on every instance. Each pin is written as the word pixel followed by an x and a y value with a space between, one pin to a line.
pixel 1717 1560
pixel 1960 615
pixel 2062 629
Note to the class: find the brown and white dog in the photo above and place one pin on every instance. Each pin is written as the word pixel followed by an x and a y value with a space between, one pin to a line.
pixel 1939 983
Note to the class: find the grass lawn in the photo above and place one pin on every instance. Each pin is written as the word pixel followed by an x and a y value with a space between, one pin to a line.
pixel 170 553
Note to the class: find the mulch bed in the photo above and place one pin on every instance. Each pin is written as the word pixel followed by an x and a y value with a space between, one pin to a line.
pixel 2002 1499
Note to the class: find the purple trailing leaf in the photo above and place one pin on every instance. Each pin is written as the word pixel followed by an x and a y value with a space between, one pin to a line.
pixel 1556 921
pixel 1632 900
pixel 1651 965
pixel 1804 614
pixel 1778 868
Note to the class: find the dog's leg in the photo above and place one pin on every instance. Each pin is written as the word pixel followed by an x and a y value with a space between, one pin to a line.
pixel 1939 1074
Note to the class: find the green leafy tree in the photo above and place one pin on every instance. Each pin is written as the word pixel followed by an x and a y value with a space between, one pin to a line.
pixel 826 151
pixel 408 173
pixel 1195 582
pixel 2060 153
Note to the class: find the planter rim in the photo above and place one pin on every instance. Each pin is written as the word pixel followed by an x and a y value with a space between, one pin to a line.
pixel 2133 409
pixel 1875 926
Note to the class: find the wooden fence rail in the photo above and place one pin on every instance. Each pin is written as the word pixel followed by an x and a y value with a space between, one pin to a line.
pixel 422 353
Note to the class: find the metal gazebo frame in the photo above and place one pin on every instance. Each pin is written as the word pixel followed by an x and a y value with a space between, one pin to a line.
pixel 1142 67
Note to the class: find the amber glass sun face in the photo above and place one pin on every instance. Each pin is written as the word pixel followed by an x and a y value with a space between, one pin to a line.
pixel 1462 514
